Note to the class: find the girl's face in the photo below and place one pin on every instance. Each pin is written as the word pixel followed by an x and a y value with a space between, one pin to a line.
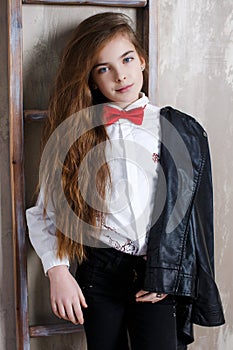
pixel 117 72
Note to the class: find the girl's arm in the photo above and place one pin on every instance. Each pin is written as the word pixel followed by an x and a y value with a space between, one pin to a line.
pixel 65 293
pixel 42 234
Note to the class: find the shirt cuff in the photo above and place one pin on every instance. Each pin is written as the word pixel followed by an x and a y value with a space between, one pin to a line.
pixel 50 260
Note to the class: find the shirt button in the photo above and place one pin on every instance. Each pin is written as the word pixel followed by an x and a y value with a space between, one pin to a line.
pixel 204 134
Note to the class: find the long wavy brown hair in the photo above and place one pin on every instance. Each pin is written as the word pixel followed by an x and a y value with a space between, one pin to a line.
pixel 73 94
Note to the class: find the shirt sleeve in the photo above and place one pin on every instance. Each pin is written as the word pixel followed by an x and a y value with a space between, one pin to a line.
pixel 42 235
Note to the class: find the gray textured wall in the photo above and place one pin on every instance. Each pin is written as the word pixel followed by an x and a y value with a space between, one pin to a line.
pixel 195 74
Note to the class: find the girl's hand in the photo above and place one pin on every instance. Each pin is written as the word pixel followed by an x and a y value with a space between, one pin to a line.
pixel 66 295
pixel 151 297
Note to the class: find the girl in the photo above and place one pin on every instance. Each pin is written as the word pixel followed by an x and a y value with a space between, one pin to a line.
pixel 137 182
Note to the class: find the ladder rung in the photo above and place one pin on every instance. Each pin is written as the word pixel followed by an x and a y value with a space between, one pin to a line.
pixel 53 329
pixel 123 3
pixel 33 115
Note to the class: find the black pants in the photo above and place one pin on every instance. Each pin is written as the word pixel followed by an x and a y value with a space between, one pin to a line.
pixel 109 280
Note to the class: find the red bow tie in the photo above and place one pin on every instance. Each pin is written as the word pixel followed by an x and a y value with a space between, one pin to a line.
pixel 111 115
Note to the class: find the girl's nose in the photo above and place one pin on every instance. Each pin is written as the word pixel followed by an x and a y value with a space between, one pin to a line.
pixel 120 76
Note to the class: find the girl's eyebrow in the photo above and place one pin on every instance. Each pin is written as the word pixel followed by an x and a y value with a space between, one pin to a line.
pixel 105 63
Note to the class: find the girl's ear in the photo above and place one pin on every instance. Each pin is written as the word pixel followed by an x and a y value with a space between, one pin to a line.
pixel 143 63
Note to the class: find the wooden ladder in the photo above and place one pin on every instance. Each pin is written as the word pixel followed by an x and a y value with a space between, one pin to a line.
pixel 146 14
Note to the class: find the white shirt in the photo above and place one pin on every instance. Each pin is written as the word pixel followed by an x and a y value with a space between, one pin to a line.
pixel 132 156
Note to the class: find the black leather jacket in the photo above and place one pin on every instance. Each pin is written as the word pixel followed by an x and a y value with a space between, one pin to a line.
pixel 180 257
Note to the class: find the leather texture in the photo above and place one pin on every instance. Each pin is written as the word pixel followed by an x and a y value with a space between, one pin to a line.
pixel 180 256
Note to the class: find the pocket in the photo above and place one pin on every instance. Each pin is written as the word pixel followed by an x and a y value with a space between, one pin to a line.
pixel 89 276
pixel 84 275
pixel 169 300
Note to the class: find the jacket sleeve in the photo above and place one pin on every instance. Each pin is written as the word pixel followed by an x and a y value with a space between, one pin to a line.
pixel 207 307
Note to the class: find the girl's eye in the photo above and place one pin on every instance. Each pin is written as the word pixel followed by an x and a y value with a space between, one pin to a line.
pixel 103 70
pixel 128 59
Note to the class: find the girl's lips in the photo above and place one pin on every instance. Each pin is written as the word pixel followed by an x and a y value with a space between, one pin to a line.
pixel 124 89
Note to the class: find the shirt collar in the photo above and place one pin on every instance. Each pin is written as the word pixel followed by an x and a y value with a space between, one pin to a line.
pixel 141 102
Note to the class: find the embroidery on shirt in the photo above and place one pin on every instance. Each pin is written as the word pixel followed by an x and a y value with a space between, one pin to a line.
pixel 155 157
pixel 109 228
pixel 128 247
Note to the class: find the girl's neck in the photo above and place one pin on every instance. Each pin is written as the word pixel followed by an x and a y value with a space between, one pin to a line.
pixel 125 105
